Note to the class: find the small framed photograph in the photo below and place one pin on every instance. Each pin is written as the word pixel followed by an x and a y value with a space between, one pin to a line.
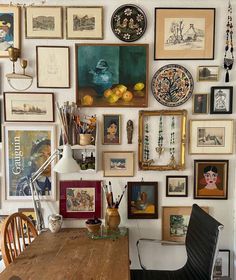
pixel 30 213
pixel 212 136
pixel 175 220
pixel 111 129
pixel 221 100
pixel 30 106
pixel 142 200
pixel 81 199
pixel 176 186
pixel 84 22
pixel 118 164
pixel 44 22
pixel 211 179
pixel 222 265
pixel 53 66
pixel 200 103
pixel 208 73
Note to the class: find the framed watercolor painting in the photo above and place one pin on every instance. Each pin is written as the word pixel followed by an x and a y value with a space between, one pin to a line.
pixel 81 199
pixel 211 136
pixel 105 75
pixel 211 179
pixel 30 106
pixel 221 100
pixel 44 22
pixel 142 200
pixel 176 186
pixel 184 33
pixel 208 73
pixel 10 26
pixel 84 22
pixel 27 147
pixel 222 265
pixel 111 129
pixel 53 66
pixel 200 103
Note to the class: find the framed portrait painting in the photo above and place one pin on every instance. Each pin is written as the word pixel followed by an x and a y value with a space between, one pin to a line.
pixel 222 265
pixel 81 199
pixel 211 179
pixel 10 26
pixel 208 73
pixel 111 129
pixel 184 33
pixel 176 186
pixel 221 100
pixel 27 147
pixel 200 103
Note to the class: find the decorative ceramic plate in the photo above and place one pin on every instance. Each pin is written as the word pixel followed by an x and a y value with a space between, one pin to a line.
pixel 128 23
pixel 172 85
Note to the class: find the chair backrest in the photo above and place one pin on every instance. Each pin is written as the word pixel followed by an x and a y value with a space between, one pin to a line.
pixel 201 243
pixel 17 232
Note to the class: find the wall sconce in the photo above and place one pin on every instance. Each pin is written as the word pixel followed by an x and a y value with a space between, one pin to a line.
pixel 18 81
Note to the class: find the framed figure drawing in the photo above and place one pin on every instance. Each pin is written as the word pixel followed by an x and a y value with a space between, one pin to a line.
pixel 200 103
pixel 222 265
pixel 111 129
pixel 221 100
pixel 184 33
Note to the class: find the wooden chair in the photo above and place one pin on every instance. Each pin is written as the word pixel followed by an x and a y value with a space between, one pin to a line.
pixel 17 232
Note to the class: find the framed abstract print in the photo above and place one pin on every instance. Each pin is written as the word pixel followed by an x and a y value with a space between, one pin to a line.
pixel 111 129
pixel 222 265
pixel 184 33
pixel 200 103
pixel 44 22
pixel 10 26
pixel 84 22
pixel 26 148
pixel 211 136
pixel 208 73
pixel 176 186
pixel 211 179
pixel 81 199
pixel 221 100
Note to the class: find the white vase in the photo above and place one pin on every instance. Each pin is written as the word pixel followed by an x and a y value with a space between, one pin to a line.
pixel 55 222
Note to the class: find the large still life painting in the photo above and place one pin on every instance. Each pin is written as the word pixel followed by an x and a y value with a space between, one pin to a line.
pixel 112 75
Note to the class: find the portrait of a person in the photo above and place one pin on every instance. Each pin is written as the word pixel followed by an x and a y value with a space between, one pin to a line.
pixel 220 101
pixel 200 103
pixel 111 132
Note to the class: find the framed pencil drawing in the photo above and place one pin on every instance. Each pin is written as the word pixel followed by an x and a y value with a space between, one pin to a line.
pixel 111 129
pixel 208 73
pixel 176 186
pixel 221 100
pixel 222 265
pixel 184 33
pixel 200 103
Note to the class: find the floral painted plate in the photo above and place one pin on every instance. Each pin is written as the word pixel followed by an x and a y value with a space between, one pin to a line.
pixel 172 85
pixel 128 23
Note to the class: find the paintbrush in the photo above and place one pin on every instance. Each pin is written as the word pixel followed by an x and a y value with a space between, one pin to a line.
pixel 122 195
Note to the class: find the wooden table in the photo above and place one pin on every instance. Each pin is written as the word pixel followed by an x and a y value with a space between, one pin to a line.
pixel 71 255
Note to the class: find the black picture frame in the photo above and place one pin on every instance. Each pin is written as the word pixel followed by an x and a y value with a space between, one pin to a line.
pixel 177 191
pixel 222 264
pixel 223 100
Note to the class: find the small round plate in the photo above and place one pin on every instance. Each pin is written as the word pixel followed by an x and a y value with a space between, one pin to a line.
pixel 128 23
pixel 172 85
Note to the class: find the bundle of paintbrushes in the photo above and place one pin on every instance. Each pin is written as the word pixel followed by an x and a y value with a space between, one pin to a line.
pixel 111 203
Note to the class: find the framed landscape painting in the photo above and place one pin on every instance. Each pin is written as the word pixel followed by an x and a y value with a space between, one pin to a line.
pixel 112 75
pixel 184 33
pixel 208 73
pixel 176 186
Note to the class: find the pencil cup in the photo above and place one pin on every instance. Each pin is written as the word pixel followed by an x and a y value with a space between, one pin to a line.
pixel 85 139
pixel 112 218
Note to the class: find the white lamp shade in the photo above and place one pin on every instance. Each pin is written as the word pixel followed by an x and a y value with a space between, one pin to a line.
pixel 66 164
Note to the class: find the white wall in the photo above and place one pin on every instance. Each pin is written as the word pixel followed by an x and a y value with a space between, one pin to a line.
pixel 223 210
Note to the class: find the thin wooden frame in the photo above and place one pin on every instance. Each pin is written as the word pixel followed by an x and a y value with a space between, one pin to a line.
pixel 30 213
pixel 185 45
pixel 222 264
pixel 114 123
pixel 53 64
pixel 142 200
pixel 28 107
pixel 200 103
pixel 178 188
pixel 221 100
pixel 208 73
pixel 44 22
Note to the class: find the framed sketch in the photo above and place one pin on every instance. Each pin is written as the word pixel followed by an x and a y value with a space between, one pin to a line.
pixel 25 107
pixel 53 66
pixel 221 100
pixel 176 186
pixel 175 220
pixel 222 265
pixel 27 147
pixel 10 27
pixel 200 103
pixel 80 199
pixel 44 22
pixel 208 73
pixel 30 213
pixel 211 136
pixel 85 22
pixel 142 200
pixel 111 129
pixel 118 164
pixel 184 33
pixel 105 75
pixel 211 179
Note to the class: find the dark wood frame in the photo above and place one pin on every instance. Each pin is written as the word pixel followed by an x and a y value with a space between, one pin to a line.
pixel 176 195
pixel 142 216
pixel 193 103
pixel 228 257
pixel 212 111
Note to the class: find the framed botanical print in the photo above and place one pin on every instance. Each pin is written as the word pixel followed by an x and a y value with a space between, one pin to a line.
pixel 208 73
pixel 211 136
pixel 111 129
pixel 27 147
pixel 85 22
pixel 53 66
pixel 221 100
pixel 184 33
pixel 44 22
pixel 81 199
pixel 176 186
pixel 200 103
pixel 211 179
pixel 10 26
pixel 222 265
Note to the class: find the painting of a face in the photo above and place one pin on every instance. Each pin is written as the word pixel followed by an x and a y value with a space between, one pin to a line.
pixel 211 178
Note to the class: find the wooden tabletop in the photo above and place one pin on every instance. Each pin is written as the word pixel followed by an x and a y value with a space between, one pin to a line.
pixel 71 255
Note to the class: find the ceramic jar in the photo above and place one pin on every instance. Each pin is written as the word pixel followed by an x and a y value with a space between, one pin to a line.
pixel 55 222
pixel 112 218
